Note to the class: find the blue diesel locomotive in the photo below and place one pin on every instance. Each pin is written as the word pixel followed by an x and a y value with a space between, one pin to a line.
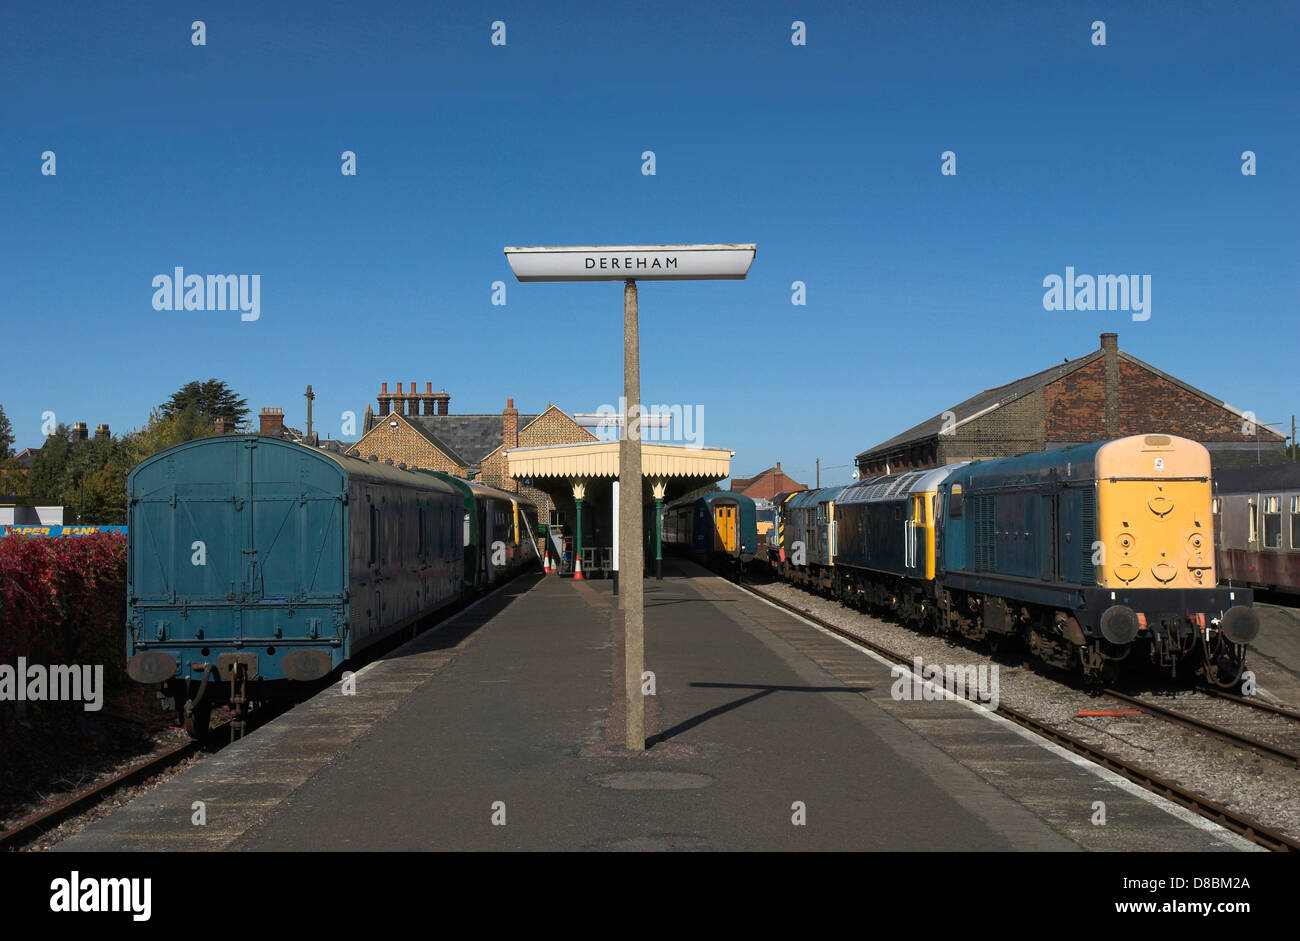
pixel 1092 556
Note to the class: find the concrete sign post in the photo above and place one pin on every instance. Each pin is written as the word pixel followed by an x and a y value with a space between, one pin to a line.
pixel 629 264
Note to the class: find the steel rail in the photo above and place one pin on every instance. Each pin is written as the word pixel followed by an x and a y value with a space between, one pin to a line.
pixel 1250 829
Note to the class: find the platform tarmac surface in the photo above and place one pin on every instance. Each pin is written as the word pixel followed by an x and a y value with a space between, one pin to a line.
pixel 503 730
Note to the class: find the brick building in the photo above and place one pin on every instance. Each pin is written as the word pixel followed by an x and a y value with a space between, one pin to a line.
pixel 419 430
pixel 1106 394
pixel 766 484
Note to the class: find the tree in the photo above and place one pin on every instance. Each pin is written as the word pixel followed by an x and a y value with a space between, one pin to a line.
pixel 48 478
pixel 163 432
pixel 212 400
pixel 13 477
pixel 6 435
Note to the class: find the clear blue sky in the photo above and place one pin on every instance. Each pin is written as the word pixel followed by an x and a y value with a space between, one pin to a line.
pixel 922 289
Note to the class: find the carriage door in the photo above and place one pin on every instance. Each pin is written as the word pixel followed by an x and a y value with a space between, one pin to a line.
pixel 726 529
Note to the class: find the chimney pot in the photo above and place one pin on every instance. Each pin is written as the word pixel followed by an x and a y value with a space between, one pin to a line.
pixel 428 388
pixel 383 388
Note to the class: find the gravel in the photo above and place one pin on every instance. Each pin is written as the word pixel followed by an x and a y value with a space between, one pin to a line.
pixel 1256 786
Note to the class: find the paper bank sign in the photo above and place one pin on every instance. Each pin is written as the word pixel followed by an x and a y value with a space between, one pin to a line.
pixel 631 262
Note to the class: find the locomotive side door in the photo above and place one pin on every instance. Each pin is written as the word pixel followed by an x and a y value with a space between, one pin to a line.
pixel 915 521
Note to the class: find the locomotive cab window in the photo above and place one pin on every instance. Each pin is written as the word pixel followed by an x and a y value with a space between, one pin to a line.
pixel 954 506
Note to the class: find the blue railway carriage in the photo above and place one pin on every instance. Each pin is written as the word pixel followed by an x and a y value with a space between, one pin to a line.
pixel 717 528
pixel 255 563
pixel 1093 555
pixel 809 537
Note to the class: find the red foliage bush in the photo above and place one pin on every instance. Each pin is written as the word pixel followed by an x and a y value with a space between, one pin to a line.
pixel 63 601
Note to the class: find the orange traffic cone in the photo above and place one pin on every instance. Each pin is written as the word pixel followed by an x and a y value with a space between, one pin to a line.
pixel 577 569
pixel 546 563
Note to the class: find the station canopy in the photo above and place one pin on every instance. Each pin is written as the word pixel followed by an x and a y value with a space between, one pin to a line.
pixel 671 469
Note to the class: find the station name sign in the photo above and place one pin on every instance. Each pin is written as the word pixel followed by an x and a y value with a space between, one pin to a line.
pixel 632 262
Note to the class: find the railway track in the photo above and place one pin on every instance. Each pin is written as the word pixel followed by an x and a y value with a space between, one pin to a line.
pixel 1238 823
pixel 1238 738
pixel 38 824
pixel 1252 703
pixel 41 823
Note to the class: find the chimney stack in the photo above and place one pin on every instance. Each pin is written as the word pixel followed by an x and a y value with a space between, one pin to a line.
pixel 224 426
pixel 510 433
pixel 101 432
pixel 272 421
pixel 79 431
pixel 1110 363
pixel 385 400
pixel 443 400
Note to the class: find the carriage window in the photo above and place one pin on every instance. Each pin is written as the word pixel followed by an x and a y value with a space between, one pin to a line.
pixel 1253 533
pixel 1272 522
pixel 420 540
pixel 1295 522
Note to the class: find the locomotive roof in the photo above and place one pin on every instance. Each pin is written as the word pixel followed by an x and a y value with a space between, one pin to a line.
pixel 897 486
pixel 814 497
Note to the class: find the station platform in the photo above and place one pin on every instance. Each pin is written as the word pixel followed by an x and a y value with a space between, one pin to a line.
pixel 1275 654
pixel 502 729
